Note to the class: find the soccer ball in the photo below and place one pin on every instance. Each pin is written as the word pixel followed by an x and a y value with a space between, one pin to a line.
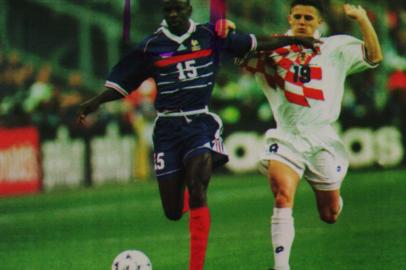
pixel 131 260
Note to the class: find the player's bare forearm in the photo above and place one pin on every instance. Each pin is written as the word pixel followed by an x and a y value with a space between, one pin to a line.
pixel 94 103
pixel 274 42
pixel 371 41
pixel 108 95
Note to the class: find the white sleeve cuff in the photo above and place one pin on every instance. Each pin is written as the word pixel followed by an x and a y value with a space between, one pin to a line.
pixel 254 42
pixel 116 87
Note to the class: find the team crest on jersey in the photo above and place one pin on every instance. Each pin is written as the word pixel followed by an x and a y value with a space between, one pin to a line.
pixel 195 45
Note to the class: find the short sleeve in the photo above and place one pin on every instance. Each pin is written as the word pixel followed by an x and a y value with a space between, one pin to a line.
pixel 239 44
pixel 351 52
pixel 130 72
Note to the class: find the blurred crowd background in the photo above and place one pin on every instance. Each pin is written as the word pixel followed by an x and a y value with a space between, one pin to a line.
pixel 56 54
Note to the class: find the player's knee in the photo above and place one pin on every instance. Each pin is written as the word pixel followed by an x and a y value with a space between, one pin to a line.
pixel 283 199
pixel 329 216
pixel 173 212
pixel 173 215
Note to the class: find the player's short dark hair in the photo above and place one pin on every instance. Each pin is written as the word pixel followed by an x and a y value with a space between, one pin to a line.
pixel 318 4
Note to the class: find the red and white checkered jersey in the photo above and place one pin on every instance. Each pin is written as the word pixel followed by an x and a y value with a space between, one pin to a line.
pixel 305 88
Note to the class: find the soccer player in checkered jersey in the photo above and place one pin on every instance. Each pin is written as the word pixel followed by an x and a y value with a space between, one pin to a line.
pixel 182 57
pixel 304 90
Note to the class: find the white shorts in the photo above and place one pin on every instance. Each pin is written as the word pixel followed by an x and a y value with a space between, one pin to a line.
pixel 319 156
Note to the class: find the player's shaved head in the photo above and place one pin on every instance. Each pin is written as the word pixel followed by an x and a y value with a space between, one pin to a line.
pixel 176 14
pixel 318 4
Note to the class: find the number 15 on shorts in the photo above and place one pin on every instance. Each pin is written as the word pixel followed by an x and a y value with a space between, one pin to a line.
pixel 159 162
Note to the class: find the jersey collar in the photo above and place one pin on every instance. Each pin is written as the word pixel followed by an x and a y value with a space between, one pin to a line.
pixel 178 39
pixel 316 34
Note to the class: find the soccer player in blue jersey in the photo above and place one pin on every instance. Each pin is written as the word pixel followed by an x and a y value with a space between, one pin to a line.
pixel 182 57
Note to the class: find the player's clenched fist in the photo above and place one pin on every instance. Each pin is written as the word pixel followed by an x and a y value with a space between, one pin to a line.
pixel 355 12
pixel 93 104
pixel 86 108
pixel 224 26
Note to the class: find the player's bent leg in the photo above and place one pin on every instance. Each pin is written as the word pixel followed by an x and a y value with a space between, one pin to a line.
pixel 198 173
pixel 171 189
pixel 329 205
pixel 284 181
pixel 326 176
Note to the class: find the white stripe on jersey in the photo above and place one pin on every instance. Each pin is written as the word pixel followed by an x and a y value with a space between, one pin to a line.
pixel 186 80
pixel 164 83
pixel 170 73
pixel 190 79
pixel 205 65
pixel 185 88
pixel 170 92
pixel 198 86
pixel 201 76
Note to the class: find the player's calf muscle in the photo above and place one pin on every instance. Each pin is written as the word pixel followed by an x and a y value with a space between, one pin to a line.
pixel 198 178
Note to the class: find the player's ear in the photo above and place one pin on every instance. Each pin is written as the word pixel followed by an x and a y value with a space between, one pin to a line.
pixel 320 20
pixel 290 19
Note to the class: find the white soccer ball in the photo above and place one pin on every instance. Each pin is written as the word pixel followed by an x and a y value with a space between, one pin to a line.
pixel 131 260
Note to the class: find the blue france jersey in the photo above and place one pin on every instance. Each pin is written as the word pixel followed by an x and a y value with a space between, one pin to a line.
pixel 184 68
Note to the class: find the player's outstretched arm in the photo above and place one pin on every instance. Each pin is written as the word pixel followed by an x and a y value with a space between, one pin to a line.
pixel 94 103
pixel 268 43
pixel 371 42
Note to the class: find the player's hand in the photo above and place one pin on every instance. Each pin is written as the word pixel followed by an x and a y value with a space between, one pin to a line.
pixel 310 42
pixel 86 108
pixel 223 27
pixel 355 12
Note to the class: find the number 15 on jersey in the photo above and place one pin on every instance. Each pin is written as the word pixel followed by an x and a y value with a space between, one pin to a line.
pixel 187 70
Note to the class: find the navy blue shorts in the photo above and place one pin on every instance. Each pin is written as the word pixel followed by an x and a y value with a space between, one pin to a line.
pixel 176 139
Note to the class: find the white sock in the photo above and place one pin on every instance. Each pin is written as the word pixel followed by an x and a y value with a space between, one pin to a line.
pixel 283 233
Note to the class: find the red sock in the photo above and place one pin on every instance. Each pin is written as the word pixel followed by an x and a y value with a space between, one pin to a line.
pixel 185 201
pixel 199 226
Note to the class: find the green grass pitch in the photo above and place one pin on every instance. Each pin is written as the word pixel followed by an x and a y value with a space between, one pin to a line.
pixel 86 228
